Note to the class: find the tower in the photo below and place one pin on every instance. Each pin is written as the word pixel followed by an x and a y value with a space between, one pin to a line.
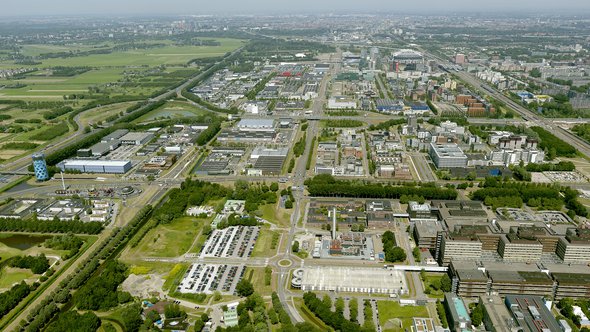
pixel 40 167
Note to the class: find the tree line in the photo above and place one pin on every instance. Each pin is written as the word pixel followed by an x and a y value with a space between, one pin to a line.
pixel 50 226
pixel 326 186
pixel 323 310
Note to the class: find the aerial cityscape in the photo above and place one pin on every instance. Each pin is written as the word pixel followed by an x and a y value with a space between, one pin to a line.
pixel 271 167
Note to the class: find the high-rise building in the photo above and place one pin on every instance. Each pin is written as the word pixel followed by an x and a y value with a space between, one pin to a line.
pixel 40 167
pixel 460 58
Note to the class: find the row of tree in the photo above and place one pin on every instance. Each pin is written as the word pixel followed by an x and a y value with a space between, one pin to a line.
pixel 50 226
pixel 327 186
pixel 12 297
pixel 323 310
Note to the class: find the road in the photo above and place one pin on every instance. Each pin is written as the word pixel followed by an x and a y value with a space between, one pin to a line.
pixel 299 176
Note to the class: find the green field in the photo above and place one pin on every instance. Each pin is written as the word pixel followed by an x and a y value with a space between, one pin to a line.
pixel 388 311
pixel 256 276
pixel 172 110
pixel 168 240
pixel 263 245
pixel 166 55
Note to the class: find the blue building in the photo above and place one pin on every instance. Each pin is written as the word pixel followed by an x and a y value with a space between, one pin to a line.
pixel 40 167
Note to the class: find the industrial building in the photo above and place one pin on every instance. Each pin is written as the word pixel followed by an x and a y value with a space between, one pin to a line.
pixel 256 125
pixel 447 156
pixel 40 167
pixel 136 138
pixel 341 102
pixel 96 166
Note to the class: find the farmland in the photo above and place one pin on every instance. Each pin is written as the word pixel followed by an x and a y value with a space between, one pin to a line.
pixel 74 75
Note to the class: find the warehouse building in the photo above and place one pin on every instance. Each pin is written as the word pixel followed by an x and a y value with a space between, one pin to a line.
pixel 96 166
pixel 256 124
pixel 136 138
pixel 117 134
pixel 447 155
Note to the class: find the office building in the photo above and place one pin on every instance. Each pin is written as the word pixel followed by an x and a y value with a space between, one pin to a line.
pixel 96 166
pixel 40 167
pixel 508 281
pixel 468 280
pixel 496 317
pixel 575 246
pixel 516 249
pixel 457 314
pixel 447 156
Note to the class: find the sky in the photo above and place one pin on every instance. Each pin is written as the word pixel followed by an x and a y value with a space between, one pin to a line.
pixel 197 7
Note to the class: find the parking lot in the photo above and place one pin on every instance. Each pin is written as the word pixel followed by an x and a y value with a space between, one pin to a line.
pixel 235 241
pixel 208 278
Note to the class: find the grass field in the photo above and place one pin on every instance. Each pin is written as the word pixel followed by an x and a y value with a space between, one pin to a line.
pixel 263 245
pixel 389 310
pixel 169 240
pixel 256 276
pixel 172 109
pixel 430 278
pixel 167 55
pixel 102 113
pixel 280 217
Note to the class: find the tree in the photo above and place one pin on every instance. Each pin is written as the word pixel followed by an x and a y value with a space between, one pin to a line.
pixel 274 187
pixel 244 288
pixel 295 246
pixel 477 315
pixel 445 283
pixel 173 311
pixel 288 204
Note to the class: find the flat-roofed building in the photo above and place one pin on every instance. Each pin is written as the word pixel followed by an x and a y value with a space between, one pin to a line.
pixel 572 284
pixel 447 155
pixel 459 248
pixel 575 246
pixel 531 314
pixel 256 124
pixel 468 280
pixel 520 282
pixel 457 314
pixel 496 317
pixel 515 249
pixel 136 138
pixel 96 166
pixel 427 233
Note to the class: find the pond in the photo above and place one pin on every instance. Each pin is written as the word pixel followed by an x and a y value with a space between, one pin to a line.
pixel 22 241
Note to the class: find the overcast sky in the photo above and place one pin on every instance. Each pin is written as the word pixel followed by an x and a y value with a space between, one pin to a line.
pixel 150 7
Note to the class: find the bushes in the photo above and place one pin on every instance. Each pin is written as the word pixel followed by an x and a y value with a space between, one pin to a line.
pixel 564 166
pixel 299 147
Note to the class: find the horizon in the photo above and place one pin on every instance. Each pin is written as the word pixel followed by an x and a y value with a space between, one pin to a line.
pixel 65 8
